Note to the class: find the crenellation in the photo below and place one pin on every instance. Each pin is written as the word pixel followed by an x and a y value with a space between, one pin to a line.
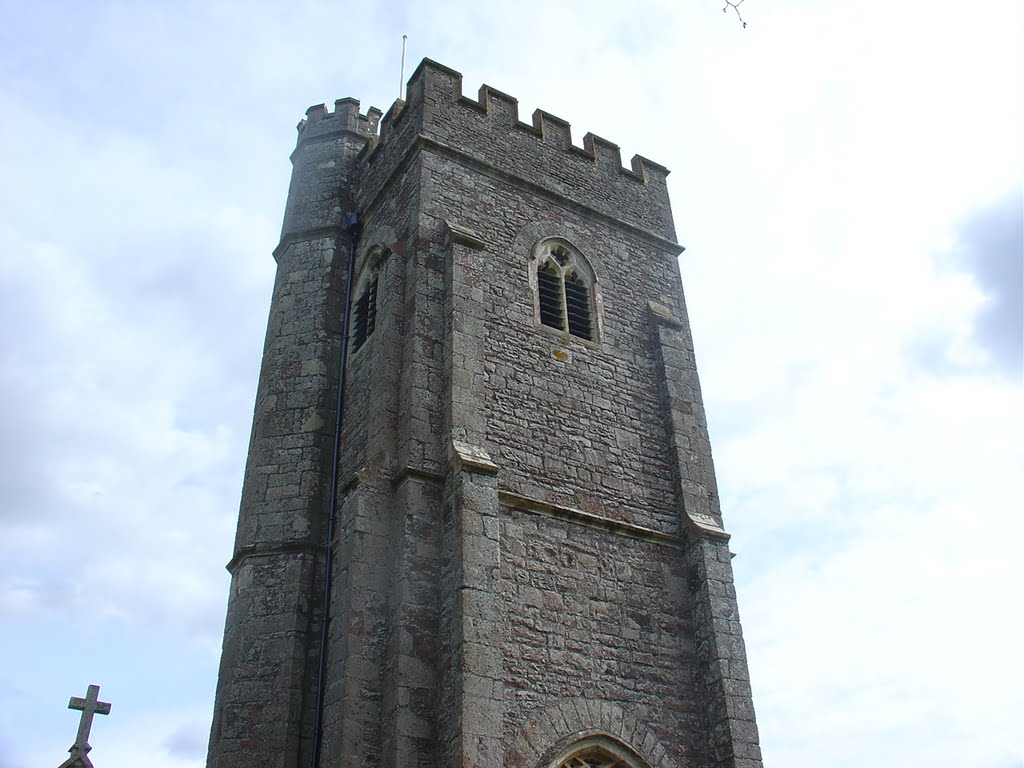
pixel 604 152
pixel 498 104
pixel 372 117
pixel 552 129
pixel 316 112
pixel 649 170
pixel 345 117
pixel 489 131
pixel 390 118
pixel 346 112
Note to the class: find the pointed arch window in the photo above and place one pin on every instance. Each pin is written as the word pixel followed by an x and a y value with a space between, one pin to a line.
pixel 363 321
pixel 565 290
pixel 599 751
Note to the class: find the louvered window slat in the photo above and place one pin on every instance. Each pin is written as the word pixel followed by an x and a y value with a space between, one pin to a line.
pixel 359 334
pixel 577 299
pixel 371 307
pixel 364 315
pixel 550 295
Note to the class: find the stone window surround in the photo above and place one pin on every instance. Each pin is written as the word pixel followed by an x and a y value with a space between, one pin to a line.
pixel 367 281
pixel 597 751
pixel 544 252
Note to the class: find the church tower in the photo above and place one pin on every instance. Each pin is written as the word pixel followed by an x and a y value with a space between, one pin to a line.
pixel 479 525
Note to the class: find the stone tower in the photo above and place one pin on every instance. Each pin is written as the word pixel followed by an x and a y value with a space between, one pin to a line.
pixel 491 474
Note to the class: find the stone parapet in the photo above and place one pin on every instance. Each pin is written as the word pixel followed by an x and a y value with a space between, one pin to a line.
pixel 487 130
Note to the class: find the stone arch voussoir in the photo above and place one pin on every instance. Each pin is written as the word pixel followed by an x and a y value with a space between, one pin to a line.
pixel 552 731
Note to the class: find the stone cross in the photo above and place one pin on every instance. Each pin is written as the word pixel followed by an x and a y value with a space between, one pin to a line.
pixel 90 705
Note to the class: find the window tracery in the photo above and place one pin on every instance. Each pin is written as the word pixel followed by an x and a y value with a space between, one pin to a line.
pixel 592 761
pixel 598 751
pixel 565 288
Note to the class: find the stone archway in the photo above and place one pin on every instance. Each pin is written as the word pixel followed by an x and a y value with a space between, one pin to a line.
pixel 584 729
pixel 598 751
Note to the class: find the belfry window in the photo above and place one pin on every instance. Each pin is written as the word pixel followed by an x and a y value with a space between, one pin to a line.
pixel 599 751
pixel 565 290
pixel 364 313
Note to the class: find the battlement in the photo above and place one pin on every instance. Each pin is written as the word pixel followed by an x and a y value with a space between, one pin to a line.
pixel 345 117
pixel 434 80
pixel 486 132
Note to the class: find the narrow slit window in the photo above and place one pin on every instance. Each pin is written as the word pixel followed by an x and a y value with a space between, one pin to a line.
pixel 364 314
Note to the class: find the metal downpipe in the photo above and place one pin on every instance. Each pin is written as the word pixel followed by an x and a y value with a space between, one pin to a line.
pixel 354 226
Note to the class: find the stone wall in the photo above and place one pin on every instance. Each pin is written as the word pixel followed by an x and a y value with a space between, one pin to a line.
pixel 598 616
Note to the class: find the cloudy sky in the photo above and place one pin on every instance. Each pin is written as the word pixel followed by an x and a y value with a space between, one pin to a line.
pixel 847 178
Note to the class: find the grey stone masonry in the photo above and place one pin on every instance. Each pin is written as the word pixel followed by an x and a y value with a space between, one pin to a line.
pixel 528 560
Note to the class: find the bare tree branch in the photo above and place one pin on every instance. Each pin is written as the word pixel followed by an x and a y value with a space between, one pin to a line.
pixel 735 5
